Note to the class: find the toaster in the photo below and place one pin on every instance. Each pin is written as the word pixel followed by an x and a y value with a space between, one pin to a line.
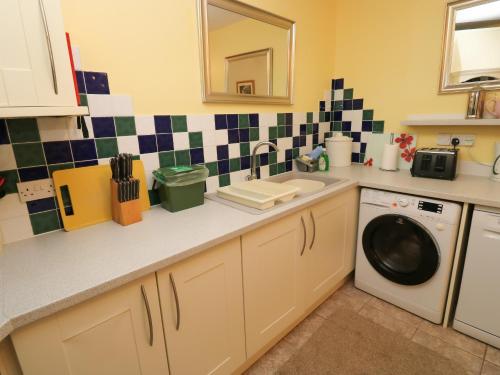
pixel 438 163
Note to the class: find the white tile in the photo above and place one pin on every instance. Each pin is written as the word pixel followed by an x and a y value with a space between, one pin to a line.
pixel 77 60
pixel 356 147
pixel 221 137
pixel 309 140
pixel 53 128
pixel 327 96
pixel 338 95
pixel 264 171
pixel 7 159
pixel 151 162
pixel 281 156
pixel 238 176
pixel 324 127
pixel 128 144
pixel 198 123
pixel 103 161
pixel 365 136
pixel 181 141
pixel 145 125
pixel 122 105
pixel 209 138
pixel 285 143
pixel 299 118
pixel 100 105
pixel 315 116
pixel 296 130
pixel 328 106
pixel 16 229
pixel 210 153
pixel 11 206
pixel 356 118
pixel 212 184
pixel 234 150
pixel 267 119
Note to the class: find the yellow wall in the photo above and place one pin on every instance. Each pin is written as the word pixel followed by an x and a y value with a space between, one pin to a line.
pixel 390 53
pixel 150 50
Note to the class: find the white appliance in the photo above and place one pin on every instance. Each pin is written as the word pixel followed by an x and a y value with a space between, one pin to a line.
pixel 405 250
pixel 478 309
pixel 495 172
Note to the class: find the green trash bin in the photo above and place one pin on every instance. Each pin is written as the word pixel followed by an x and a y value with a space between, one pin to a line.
pixel 181 187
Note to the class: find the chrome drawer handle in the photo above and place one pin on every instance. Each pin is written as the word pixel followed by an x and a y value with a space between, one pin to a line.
pixel 177 306
pixel 304 230
pixel 148 310
pixel 314 231
pixel 49 46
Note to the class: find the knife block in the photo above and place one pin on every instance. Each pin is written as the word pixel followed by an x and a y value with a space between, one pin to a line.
pixel 124 213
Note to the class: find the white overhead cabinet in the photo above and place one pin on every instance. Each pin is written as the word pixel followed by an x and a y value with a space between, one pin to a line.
pixel 35 71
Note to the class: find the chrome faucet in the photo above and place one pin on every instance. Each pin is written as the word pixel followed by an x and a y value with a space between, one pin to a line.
pixel 253 174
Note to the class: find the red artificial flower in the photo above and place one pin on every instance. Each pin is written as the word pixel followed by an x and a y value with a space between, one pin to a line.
pixel 369 162
pixel 2 181
pixel 404 140
pixel 408 154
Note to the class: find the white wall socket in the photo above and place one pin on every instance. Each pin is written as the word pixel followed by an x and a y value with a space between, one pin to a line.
pixel 466 140
pixel 37 189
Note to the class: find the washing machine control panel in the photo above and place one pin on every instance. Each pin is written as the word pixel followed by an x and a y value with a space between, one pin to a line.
pixel 413 206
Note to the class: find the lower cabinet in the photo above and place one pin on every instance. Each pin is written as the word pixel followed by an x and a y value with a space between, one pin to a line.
pixel 202 306
pixel 119 332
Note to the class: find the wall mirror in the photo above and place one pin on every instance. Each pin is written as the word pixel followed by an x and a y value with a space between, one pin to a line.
pixel 246 53
pixel 471 53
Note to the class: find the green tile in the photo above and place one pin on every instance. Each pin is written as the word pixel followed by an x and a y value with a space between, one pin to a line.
pixel 254 134
pixel 154 197
pixel 309 117
pixel 234 165
pixel 83 100
pixel 378 127
pixel 243 121
pixel 281 119
pixel 368 115
pixel 224 180
pixel 11 179
pixel 337 126
pixel 106 147
pixel 273 169
pixel 195 140
pixel 281 132
pixel 348 93
pixel 136 157
pixel 182 157
pixel 28 154
pixel 309 129
pixel 295 152
pixel 23 130
pixel 361 158
pixel 59 167
pixel 273 132
pixel 322 116
pixel 338 105
pixel 212 168
pixel 44 222
pixel 281 167
pixel 273 157
pixel 346 134
pixel 179 124
pixel 125 126
pixel 244 149
pixel 167 159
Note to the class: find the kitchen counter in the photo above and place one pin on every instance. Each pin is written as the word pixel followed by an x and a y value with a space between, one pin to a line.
pixel 48 273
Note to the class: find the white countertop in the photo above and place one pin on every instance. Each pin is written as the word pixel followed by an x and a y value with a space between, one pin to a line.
pixel 48 273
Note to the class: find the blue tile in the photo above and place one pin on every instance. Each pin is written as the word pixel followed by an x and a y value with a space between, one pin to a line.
pixel 316 128
pixel 288 165
pixel 96 83
pixel 4 136
pixel 220 122
pixel 270 148
pixel 264 159
pixel 337 116
pixel 163 124
pixel 339 84
pixel 147 144
pixel 87 163
pixel 80 81
pixel 288 131
pixel 233 136
pixel 222 152
pixel 245 162
pixel 356 136
pixel 197 156
pixel 367 126
pixel 223 166
pixel 346 126
pixel 254 120
pixel 288 154
pixel 244 135
pixel 347 105
pixel 363 147
pixel 328 116
pixel 357 104
pixel 103 127
pixel 315 139
pixel 33 173
pixel 83 149
pixel 41 205
pixel 57 152
pixel 165 142
pixel 303 140
pixel 232 121
pixel 288 118
pixel 296 142
pixel 355 157
pixel 333 85
pixel 322 105
pixel 303 129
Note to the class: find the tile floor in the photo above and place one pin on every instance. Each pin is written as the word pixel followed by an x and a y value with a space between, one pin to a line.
pixel 474 356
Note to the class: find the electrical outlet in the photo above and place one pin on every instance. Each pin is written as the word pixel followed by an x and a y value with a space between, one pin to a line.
pixel 443 140
pixel 466 140
pixel 37 189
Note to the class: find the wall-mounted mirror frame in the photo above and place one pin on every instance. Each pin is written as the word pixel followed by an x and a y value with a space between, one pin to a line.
pixel 446 86
pixel 210 96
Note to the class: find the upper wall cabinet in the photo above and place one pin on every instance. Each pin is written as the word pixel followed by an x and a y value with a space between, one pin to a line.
pixel 35 71
pixel 471 56
pixel 246 53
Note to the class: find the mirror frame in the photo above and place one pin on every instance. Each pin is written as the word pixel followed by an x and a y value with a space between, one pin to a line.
pixel 209 96
pixel 447 50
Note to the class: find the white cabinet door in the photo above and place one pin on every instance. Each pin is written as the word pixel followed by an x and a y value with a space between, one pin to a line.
pixel 107 335
pixel 273 274
pixel 202 306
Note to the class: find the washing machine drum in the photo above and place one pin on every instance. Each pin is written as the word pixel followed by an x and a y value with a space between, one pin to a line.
pixel 401 249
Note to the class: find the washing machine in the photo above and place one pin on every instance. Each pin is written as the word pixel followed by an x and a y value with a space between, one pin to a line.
pixel 405 250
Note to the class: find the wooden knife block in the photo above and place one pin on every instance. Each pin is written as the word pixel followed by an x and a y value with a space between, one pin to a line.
pixel 124 213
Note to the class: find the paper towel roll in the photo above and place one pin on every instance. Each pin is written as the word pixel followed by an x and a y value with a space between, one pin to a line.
pixel 390 157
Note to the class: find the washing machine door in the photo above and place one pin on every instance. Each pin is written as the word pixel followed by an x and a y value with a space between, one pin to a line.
pixel 401 249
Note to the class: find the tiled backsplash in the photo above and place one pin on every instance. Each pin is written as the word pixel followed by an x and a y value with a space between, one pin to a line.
pixel 34 148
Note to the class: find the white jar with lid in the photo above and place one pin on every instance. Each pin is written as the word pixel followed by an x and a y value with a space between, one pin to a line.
pixel 339 150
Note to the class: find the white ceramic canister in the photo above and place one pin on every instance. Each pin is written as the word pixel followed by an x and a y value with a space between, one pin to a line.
pixel 339 150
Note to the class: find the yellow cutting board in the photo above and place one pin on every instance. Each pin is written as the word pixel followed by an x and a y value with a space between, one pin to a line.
pixel 90 193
